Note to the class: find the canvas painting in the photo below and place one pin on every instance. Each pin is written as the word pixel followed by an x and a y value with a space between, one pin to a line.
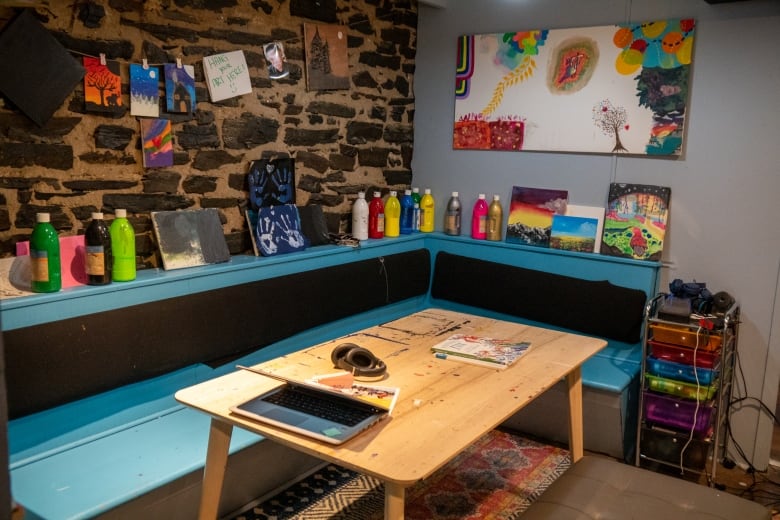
pixel 614 89
pixel 635 221
pixel 327 63
pixel 144 90
pixel 189 238
pixel 573 233
pixel 157 143
pixel 271 182
pixel 531 213
pixel 590 212
pixel 102 86
pixel 278 230
pixel 179 88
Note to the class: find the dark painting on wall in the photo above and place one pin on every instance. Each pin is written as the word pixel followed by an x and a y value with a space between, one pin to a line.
pixel 36 71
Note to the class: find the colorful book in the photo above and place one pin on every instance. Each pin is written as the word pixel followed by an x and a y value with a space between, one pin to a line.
pixel 635 221
pixel 382 396
pixel 490 352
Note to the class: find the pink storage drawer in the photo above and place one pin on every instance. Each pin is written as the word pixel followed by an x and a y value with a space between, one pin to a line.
pixel 684 355
pixel 678 414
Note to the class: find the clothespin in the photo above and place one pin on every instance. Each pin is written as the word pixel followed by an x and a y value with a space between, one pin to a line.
pixel 102 58
pixel 178 63
pixel 146 64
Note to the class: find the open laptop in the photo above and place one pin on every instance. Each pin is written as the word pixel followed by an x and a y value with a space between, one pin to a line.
pixel 312 410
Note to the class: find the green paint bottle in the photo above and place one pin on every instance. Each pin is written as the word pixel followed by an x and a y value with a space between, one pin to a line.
pixel 46 275
pixel 122 247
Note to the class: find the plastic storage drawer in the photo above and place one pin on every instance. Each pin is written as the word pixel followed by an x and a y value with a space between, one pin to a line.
pixel 680 371
pixel 681 389
pixel 685 336
pixel 678 414
pixel 684 355
pixel 666 446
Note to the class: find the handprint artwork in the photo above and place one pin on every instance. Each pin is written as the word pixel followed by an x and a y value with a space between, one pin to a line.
pixel 271 182
pixel 278 230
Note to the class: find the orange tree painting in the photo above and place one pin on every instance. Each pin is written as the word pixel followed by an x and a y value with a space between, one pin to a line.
pixel 546 89
pixel 102 86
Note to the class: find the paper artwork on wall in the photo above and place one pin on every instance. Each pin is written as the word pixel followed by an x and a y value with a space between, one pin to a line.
pixel 610 89
pixel 327 62
pixel 635 221
pixel 271 182
pixel 189 238
pixel 531 213
pixel 102 86
pixel 157 143
pixel 278 230
pixel 179 88
pixel 36 72
pixel 144 90
pixel 227 75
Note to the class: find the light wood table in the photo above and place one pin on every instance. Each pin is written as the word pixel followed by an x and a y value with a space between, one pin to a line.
pixel 443 406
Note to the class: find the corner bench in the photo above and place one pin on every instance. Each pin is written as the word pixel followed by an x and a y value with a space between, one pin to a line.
pixel 95 430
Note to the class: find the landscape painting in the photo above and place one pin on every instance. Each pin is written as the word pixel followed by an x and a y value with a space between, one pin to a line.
pixel 635 221
pixel 614 89
pixel 327 65
pixel 531 213
pixel 573 233
pixel 144 90
pixel 102 86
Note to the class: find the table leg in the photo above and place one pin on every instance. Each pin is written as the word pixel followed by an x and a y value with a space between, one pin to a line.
pixel 214 471
pixel 394 501
pixel 574 381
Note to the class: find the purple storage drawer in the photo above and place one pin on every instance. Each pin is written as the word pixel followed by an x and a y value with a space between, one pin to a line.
pixel 678 414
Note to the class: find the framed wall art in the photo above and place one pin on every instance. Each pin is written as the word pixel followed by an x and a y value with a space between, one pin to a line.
pixel 609 89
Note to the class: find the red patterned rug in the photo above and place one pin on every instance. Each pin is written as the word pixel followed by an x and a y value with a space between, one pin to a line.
pixel 496 478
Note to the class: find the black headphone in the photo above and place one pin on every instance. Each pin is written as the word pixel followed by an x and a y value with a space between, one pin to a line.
pixel 358 360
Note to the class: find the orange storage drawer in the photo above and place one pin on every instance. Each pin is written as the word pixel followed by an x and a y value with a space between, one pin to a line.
pixel 685 336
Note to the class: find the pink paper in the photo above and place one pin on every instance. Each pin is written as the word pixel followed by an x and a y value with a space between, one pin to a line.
pixel 72 259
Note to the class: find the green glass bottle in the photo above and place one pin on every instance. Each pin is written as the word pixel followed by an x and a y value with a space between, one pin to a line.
pixel 122 247
pixel 46 275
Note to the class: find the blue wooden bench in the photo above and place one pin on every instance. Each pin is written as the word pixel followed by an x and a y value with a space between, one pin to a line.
pixel 119 445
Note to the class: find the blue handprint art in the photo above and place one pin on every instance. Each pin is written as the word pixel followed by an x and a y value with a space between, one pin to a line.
pixel 271 182
pixel 278 230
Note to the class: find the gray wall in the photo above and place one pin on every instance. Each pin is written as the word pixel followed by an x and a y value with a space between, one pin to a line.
pixel 723 228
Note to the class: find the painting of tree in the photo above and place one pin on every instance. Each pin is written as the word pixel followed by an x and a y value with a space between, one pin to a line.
pixel 610 120
pixel 102 86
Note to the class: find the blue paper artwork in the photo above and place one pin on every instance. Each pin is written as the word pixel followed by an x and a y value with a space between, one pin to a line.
pixel 179 88
pixel 278 230
pixel 271 182
pixel 144 91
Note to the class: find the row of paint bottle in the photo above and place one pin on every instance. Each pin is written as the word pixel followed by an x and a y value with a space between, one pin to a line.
pixel 486 220
pixel 109 252
pixel 376 218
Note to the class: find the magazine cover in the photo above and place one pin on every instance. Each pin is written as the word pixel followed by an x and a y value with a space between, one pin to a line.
pixel 499 353
pixel 383 397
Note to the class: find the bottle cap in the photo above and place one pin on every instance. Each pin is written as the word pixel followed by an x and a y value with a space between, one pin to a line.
pixel 481 196
pixel 427 191
pixel 121 213
pixel 42 217
pixel 454 193
pixel 407 192
pixel 393 193
pixel 377 194
pixel 496 198
pixel 415 190
pixel 361 195
pixel 96 215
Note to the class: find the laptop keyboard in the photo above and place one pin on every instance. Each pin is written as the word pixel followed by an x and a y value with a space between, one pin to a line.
pixel 320 405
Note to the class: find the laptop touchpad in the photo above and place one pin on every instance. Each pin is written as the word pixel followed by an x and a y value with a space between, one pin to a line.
pixel 286 416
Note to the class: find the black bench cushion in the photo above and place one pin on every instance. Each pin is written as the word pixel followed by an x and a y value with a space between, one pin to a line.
pixel 592 307
pixel 58 362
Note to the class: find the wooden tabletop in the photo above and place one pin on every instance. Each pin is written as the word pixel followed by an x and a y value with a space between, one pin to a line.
pixel 443 406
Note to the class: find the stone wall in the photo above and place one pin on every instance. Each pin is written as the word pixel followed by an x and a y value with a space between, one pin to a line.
pixel 343 141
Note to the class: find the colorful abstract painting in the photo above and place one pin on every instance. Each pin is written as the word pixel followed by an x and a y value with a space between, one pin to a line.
pixel 102 86
pixel 531 213
pixel 609 89
pixel 157 143
pixel 635 221
pixel 179 88
pixel 144 90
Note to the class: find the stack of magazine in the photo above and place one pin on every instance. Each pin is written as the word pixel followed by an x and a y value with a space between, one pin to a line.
pixel 490 352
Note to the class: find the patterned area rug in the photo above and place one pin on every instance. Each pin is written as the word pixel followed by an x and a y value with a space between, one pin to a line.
pixel 497 478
